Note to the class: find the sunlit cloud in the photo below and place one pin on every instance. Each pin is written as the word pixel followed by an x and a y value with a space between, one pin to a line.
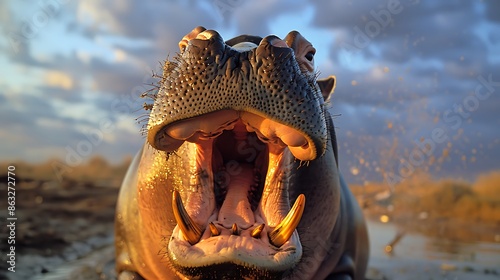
pixel 91 13
pixel 119 55
pixel 58 79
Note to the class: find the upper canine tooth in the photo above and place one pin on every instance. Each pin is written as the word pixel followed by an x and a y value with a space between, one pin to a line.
pixel 285 229
pixel 188 227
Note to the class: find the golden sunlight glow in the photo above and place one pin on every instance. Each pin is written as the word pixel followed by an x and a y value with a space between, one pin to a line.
pixel 384 218
pixel 59 79
pixel 354 171
pixel 119 55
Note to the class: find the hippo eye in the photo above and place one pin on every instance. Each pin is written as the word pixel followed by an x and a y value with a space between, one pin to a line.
pixel 310 56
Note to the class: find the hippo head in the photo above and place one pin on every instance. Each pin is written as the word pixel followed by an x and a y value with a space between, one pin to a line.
pixel 232 126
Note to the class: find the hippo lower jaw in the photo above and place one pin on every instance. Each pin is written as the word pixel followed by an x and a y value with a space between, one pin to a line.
pixel 237 212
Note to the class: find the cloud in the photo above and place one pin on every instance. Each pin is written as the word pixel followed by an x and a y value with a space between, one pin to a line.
pixel 158 21
pixel 59 79
pixel 256 18
pixel 491 10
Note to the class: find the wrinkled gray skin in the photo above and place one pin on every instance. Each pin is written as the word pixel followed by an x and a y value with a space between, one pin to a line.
pixel 278 82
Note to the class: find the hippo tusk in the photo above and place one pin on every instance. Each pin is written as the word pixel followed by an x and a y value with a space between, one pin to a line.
pixel 285 229
pixel 188 227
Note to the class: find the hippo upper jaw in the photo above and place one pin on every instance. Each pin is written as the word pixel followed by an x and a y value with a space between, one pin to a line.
pixel 267 80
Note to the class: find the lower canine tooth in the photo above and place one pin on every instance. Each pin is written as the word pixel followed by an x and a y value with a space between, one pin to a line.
pixel 285 229
pixel 257 231
pixel 188 227
pixel 213 229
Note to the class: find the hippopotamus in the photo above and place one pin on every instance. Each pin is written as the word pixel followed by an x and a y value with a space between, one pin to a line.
pixel 238 177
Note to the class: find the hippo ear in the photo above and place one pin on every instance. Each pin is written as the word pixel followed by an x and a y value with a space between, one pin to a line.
pixel 327 86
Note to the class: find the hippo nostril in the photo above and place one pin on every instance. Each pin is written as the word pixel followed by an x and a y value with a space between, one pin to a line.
pixel 279 43
pixel 207 35
pixel 200 34
pixel 206 45
pixel 274 41
pixel 273 45
pixel 191 35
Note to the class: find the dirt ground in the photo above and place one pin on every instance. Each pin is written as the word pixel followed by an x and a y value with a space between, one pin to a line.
pixel 57 224
pixel 66 232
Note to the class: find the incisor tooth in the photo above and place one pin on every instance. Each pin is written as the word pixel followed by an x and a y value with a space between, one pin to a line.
pixel 257 231
pixel 234 229
pixel 189 228
pixel 285 229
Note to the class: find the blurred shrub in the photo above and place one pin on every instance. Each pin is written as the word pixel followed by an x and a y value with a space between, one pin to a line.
pixel 96 171
pixel 487 186
pixel 446 198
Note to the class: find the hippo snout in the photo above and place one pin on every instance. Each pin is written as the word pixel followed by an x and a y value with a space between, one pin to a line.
pixel 258 79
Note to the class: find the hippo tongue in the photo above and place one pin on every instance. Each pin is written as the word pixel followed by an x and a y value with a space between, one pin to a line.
pixel 236 208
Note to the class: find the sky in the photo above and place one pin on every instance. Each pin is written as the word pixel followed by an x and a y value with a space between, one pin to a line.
pixel 418 86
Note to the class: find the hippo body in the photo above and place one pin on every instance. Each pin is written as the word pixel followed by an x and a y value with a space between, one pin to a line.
pixel 239 176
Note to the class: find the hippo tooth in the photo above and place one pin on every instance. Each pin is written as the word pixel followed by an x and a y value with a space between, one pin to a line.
pixel 213 229
pixel 234 229
pixel 188 227
pixel 257 231
pixel 285 229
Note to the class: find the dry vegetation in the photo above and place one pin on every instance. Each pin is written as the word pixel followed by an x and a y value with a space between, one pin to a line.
pixel 442 199
pixel 96 170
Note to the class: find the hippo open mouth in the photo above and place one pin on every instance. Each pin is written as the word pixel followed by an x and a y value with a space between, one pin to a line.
pixel 238 213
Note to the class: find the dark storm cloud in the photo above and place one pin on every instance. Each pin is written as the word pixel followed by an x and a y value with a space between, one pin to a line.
pixel 148 19
pixel 17 111
pixel 57 93
pixel 112 77
pixel 162 22
pixel 426 29
pixel 492 8
pixel 24 119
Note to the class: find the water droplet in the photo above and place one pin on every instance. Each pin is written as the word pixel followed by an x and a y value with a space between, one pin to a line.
pixel 354 171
